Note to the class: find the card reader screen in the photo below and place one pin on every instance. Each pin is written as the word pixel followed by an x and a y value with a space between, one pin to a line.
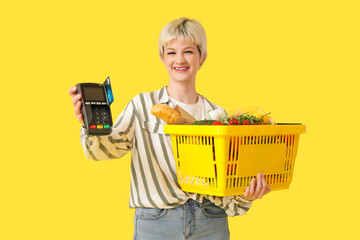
pixel 94 94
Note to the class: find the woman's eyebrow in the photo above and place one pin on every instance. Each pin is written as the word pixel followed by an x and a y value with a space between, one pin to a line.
pixel 172 49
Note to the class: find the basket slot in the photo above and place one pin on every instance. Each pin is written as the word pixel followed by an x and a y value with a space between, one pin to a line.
pixel 238 148
pixel 233 148
pixel 291 149
pixel 213 148
pixel 215 172
pixel 211 182
pixel 177 149
pixel 236 152
pixel 230 146
pixel 287 146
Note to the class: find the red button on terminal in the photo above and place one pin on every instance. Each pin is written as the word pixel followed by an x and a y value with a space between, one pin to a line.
pixel 92 126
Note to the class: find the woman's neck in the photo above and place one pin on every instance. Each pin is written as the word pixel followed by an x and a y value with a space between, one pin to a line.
pixel 183 92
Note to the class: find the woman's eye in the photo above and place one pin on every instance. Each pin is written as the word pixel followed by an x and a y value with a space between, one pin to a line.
pixel 170 53
pixel 188 52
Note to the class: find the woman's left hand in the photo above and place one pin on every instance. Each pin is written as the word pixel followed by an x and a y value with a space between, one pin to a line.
pixel 257 189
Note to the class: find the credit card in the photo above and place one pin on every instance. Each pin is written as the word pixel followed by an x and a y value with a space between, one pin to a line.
pixel 108 89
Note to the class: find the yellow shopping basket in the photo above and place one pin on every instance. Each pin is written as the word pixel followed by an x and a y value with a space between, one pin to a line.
pixel 222 160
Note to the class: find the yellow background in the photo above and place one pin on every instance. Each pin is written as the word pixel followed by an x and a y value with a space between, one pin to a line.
pixel 297 59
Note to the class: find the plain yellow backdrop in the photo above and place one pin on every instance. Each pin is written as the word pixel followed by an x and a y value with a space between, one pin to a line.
pixel 296 59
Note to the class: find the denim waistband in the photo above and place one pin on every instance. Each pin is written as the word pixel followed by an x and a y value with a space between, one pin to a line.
pixel 191 202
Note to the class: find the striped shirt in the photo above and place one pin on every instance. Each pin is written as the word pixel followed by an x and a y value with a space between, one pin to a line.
pixel 154 182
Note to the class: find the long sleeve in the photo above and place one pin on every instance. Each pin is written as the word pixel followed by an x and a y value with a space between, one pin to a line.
pixel 112 146
pixel 233 205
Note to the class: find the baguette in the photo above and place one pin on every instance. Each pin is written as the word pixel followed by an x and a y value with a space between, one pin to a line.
pixel 166 113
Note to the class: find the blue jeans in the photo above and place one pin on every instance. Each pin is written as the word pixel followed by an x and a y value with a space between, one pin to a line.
pixel 190 221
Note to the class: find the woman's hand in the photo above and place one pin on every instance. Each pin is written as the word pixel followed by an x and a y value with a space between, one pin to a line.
pixel 257 189
pixel 76 103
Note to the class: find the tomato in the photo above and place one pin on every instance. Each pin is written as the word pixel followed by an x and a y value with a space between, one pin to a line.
pixel 245 122
pixel 234 122
pixel 260 123
pixel 217 123
pixel 254 124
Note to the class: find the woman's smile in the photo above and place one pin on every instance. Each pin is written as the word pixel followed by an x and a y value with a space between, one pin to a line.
pixel 181 69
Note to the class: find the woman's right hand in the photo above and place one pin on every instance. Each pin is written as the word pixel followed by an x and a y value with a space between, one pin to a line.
pixel 76 97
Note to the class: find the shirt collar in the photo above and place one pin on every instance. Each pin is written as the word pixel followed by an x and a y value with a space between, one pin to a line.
pixel 164 96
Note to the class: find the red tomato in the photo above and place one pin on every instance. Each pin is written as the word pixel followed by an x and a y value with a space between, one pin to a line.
pixel 245 122
pixel 217 123
pixel 234 122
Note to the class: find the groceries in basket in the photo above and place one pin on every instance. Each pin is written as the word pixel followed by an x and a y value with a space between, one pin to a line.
pixel 222 160
pixel 243 117
pixel 247 116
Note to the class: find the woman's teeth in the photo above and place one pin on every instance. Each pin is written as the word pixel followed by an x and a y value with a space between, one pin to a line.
pixel 183 68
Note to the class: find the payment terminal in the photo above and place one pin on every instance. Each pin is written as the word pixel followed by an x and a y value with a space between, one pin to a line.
pixel 95 108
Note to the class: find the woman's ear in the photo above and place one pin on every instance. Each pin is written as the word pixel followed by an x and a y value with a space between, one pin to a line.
pixel 202 60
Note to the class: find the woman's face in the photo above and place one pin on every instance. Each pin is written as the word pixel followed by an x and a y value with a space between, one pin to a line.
pixel 182 60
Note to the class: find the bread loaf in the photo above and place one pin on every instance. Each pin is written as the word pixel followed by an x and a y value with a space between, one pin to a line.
pixel 166 113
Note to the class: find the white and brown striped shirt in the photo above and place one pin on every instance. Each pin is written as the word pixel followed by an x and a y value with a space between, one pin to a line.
pixel 153 172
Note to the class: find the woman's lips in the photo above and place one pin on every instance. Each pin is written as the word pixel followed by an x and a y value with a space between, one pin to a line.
pixel 181 69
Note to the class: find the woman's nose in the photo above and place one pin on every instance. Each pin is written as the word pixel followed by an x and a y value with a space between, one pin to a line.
pixel 180 58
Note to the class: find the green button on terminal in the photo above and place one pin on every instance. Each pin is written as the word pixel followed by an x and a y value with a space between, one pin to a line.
pixel 106 126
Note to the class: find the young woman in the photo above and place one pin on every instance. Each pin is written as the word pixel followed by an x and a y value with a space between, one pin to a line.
pixel 163 210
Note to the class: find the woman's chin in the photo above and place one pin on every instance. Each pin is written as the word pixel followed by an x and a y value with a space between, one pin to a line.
pixel 181 80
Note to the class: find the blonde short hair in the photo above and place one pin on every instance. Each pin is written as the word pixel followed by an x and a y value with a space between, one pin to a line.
pixel 184 29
